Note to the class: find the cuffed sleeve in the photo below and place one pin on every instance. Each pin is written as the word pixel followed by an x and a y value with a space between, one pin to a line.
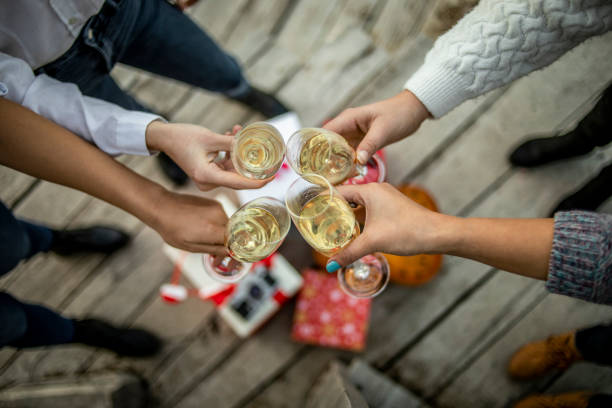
pixel 111 128
pixel 501 41
pixel 581 258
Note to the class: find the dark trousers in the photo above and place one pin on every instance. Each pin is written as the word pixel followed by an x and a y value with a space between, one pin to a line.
pixel 595 345
pixel 151 35
pixel 22 324
pixel 595 129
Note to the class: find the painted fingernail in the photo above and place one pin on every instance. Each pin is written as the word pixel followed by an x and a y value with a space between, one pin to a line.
pixel 332 266
pixel 362 156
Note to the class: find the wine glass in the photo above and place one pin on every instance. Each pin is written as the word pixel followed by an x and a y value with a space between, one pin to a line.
pixel 253 233
pixel 258 151
pixel 323 152
pixel 327 222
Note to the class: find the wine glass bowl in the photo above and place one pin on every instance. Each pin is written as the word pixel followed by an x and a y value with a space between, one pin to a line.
pixel 322 216
pixel 365 278
pixel 258 151
pixel 253 233
pixel 322 152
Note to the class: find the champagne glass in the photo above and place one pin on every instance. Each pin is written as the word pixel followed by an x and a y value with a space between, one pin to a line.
pixel 253 233
pixel 258 151
pixel 323 152
pixel 327 222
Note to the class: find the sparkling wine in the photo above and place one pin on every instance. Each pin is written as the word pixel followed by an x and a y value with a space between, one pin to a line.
pixel 254 234
pixel 327 223
pixel 258 151
pixel 326 154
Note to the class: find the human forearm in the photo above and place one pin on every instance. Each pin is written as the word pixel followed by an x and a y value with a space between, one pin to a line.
pixel 520 246
pixel 36 146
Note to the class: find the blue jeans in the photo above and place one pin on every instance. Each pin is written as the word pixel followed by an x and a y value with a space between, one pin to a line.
pixel 22 324
pixel 151 35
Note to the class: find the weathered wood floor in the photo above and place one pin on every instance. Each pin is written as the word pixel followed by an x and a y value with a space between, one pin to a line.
pixel 449 341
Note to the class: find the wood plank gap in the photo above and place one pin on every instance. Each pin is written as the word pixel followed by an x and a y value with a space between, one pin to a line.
pixel 454 136
pixel 176 352
pixel 374 15
pixel 279 373
pixel 387 365
pixel 203 376
pixel 23 195
pixel 484 194
pixel 485 346
pixel 284 17
pixel 232 23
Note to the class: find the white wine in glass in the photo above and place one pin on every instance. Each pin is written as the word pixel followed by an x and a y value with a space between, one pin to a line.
pixel 253 233
pixel 258 151
pixel 323 152
pixel 328 224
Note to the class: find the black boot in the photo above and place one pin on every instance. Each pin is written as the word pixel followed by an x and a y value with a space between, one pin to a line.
pixel 595 129
pixel 591 195
pixel 171 169
pixel 539 151
pixel 263 103
pixel 93 239
pixel 125 342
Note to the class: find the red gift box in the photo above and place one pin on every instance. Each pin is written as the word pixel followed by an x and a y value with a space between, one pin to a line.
pixel 326 316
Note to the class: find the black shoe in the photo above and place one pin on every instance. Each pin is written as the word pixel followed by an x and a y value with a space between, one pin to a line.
pixel 536 152
pixel 591 195
pixel 125 342
pixel 172 170
pixel 93 239
pixel 263 103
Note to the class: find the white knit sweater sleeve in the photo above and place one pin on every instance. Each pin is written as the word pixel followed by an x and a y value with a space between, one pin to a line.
pixel 500 41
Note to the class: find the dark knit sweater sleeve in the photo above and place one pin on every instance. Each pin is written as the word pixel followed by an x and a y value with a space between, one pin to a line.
pixel 581 258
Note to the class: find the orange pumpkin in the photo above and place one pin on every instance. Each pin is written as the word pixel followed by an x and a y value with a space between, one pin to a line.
pixel 407 270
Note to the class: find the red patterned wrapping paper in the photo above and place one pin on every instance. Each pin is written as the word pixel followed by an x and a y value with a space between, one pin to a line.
pixel 326 316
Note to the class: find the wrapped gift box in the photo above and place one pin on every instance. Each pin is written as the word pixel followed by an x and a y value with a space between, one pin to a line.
pixel 326 316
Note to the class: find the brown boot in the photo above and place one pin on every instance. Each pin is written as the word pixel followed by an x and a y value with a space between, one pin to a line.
pixel 538 358
pixel 578 399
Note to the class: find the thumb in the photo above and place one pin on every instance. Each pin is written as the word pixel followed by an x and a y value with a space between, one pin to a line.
pixel 371 142
pixel 352 252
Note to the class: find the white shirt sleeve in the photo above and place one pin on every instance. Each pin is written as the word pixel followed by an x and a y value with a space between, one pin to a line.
pixel 113 129
pixel 500 41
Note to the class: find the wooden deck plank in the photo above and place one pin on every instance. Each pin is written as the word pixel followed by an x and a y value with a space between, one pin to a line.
pixel 161 95
pixel 257 360
pixel 584 376
pixel 291 388
pixel 486 382
pixel 14 184
pixel 354 13
pixel 333 75
pixel 399 20
pixel 217 18
pixel 257 21
pixel 273 68
pixel 210 347
pixel 307 26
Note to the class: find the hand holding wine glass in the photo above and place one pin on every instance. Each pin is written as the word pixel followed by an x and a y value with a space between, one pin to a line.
pixel 394 224
pixel 196 150
pixel 374 126
pixel 327 222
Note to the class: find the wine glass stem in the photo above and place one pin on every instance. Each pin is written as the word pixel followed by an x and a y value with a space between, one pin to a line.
pixel 362 271
pixel 360 169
